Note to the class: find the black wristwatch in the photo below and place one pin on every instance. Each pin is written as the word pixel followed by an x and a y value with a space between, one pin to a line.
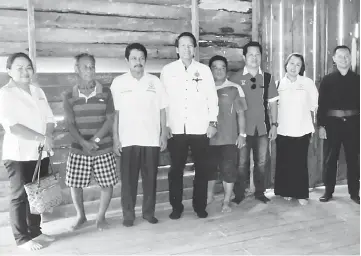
pixel 213 124
pixel 275 124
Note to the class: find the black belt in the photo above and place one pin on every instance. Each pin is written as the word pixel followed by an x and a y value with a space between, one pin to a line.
pixel 343 113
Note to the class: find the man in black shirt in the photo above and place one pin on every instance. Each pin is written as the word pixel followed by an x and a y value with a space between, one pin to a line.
pixel 338 118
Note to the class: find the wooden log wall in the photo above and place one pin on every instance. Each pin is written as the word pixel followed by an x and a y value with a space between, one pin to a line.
pixel 103 28
pixel 224 27
pixel 313 28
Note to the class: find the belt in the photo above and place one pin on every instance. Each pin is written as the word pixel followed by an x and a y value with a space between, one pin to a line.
pixel 343 113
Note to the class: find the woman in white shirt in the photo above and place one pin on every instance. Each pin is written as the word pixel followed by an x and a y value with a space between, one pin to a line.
pixel 28 122
pixel 297 105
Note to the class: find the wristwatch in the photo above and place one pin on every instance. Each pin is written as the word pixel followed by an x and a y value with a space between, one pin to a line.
pixel 96 140
pixel 243 135
pixel 275 124
pixel 213 124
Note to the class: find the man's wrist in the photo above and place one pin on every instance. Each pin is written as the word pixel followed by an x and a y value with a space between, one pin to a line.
pixel 213 124
pixel 95 139
pixel 244 135
pixel 275 124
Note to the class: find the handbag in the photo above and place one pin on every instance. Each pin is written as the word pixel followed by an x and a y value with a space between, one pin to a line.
pixel 43 193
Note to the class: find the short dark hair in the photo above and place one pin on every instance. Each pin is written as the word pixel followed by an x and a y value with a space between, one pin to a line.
pixel 189 34
pixel 298 55
pixel 341 47
pixel 251 44
pixel 16 55
pixel 82 55
pixel 218 57
pixel 135 46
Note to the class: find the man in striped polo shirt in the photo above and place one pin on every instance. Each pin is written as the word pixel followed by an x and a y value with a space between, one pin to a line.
pixel 89 113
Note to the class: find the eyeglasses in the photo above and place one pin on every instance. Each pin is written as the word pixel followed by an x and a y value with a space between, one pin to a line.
pixel 253 80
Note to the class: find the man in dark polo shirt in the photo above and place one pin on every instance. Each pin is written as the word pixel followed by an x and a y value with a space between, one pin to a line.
pixel 338 118
pixel 89 113
pixel 261 92
pixel 230 134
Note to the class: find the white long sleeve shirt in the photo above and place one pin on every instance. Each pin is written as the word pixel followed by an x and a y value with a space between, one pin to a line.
pixel 32 111
pixel 193 100
pixel 297 100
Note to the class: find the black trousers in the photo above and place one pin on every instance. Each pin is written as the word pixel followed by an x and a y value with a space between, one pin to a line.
pixel 145 159
pixel 178 147
pixel 291 178
pixel 347 132
pixel 25 226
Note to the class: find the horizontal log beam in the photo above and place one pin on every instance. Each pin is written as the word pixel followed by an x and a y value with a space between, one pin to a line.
pixel 103 65
pixel 100 7
pixel 224 22
pixel 231 54
pixel 180 3
pixel 230 41
pixel 71 20
pixel 63 35
pixel 228 5
pixel 98 50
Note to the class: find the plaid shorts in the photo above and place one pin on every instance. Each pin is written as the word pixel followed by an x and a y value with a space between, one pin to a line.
pixel 79 169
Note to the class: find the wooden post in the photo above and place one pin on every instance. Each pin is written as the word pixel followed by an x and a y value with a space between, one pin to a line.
pixel 255 20
pixel 195 25
pixel 31 32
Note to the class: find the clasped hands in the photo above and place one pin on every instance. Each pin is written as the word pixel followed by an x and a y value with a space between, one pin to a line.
pixel 89 145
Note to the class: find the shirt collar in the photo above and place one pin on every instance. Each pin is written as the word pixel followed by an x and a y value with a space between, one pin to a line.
pixel 245 71
pixel 32 87
pixel 132 77
pixel 12 84
pixel 190 66
pixel 289 81
pixel 224 85
pixel 98 89
pixel 348 72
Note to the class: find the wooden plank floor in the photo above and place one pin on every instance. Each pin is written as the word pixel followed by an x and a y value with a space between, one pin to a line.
pixel 278 228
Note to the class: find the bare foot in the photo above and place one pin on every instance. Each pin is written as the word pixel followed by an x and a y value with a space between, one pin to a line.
pixel 226 207
pixel 287 198
pixel 31 246
pixel 210 198
pixel 102 224
pixel 45 238
pixel 79 223
pixel 303 201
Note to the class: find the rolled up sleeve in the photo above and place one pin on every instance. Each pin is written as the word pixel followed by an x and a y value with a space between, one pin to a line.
pixel 114 94
pixel 8 115
pixel 240 102
pixel 272 91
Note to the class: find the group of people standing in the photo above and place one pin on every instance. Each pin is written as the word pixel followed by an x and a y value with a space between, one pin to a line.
pixel 220 118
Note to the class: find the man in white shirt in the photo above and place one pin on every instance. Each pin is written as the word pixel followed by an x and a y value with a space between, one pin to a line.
pixel 191 121
pixel 139 132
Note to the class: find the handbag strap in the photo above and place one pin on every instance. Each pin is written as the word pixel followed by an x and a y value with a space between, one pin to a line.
pixel 38 165
pixel 51 166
